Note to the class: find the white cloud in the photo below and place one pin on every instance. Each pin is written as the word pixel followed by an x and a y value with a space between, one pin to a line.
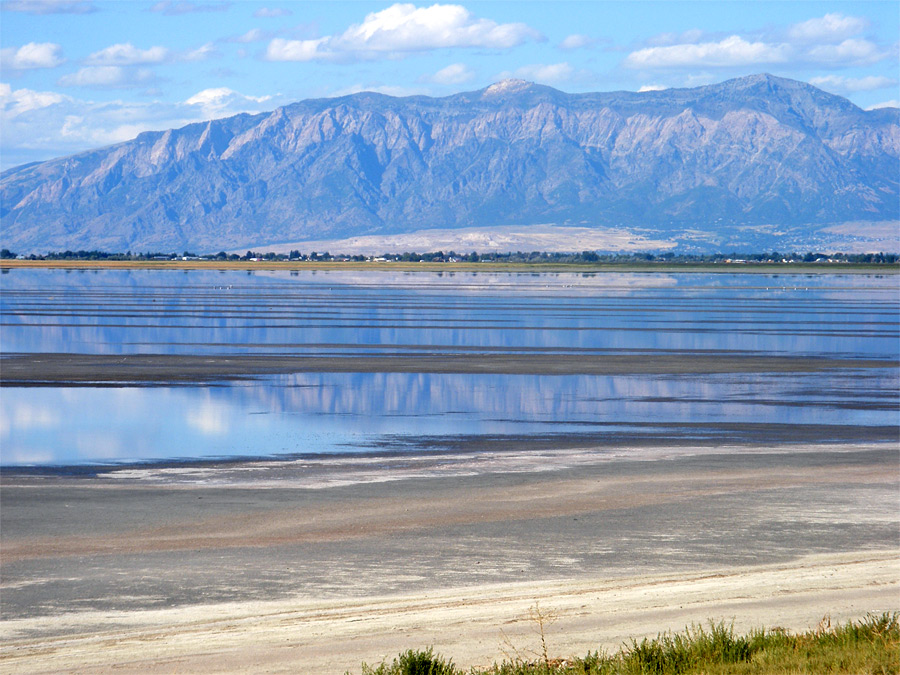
pixel 455 73
pixel 126 54
pixel 176 7
pixel 201 53
pixel 651 87
pixel 885 104
pixel 280 49
pixel 41 125
pixel 32 55
pixel 115 77
pixel 831 40
pixel 49 6
pixel 252 35
pixel 222 101
pixel 546 73
pixel 403 28
pixel 831 27
pixel 576 41
pixel 269 13
pixel 19 101
pixel 732 51
pixel 840 84
pixel 849 52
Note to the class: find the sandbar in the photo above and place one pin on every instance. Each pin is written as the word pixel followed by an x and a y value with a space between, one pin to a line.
pixel 49 369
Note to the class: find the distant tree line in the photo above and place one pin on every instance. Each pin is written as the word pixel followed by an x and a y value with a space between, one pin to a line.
pixel 535 257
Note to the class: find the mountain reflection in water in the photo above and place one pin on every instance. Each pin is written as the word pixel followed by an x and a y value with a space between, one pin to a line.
pixel 340 313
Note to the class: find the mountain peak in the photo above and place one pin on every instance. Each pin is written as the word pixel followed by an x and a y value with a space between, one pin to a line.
pixel 508 86
pixel 757 78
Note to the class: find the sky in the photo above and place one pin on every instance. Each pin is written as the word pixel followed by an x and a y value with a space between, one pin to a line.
pixel 81 74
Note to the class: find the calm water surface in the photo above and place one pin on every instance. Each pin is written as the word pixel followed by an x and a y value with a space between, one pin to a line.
pixel 353 313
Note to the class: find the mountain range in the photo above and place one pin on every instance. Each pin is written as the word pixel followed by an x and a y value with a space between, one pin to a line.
pixel 751 163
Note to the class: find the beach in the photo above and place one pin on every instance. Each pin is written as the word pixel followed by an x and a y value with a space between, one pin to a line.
pixel 319 564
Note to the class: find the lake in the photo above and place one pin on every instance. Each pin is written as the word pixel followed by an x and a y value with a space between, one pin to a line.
pixel 390 362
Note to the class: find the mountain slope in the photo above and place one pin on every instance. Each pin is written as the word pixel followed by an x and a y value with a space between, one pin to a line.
pixel 755 151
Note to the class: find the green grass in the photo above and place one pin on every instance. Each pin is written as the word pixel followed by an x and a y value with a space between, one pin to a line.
pixel 867 647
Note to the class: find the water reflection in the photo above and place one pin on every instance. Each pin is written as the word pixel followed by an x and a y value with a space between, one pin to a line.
pixel 339 412
pixel 167 312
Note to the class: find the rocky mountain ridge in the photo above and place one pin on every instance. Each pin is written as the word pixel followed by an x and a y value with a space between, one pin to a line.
pixel 751 159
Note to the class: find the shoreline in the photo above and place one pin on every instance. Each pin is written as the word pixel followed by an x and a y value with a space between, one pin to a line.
pixel 474 625
pixel 333 469
pixel 600 268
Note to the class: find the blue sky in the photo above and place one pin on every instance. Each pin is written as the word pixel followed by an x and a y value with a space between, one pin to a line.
pixel 79 74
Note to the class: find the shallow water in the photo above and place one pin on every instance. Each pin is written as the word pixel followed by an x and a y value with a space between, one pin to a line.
pixel 337 313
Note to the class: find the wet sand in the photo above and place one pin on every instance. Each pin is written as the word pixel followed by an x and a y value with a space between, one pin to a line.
pixel 317 565
pixel 39 369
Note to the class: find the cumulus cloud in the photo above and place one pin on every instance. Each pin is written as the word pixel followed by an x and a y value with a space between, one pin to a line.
pixel 832 40
pixel 49 6
pixel 404 28
pixel 32 55
pixel 176 7
pixel 840 84
pixel 107 77
pixel 651 87
pixel 20 101
pixel 126 54
pixel 280 49
pixel 885 104
pixel 831 27
pixel 576 41
pixel 271 13
pixel 455 73
pixel 732 51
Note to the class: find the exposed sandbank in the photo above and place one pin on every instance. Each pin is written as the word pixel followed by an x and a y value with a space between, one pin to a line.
pixel 317 566
pixel 37 369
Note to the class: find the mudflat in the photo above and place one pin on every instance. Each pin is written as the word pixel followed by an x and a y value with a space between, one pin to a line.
pixel 315 565
pixel 98 369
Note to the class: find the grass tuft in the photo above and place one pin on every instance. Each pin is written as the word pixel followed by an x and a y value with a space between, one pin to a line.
pixel 867 647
